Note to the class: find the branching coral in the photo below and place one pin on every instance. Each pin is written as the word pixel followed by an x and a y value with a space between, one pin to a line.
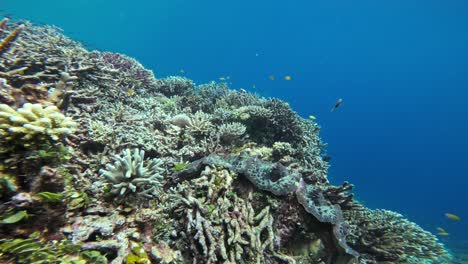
pixel 282 149
pixel 32 122
pixel 6 43
pixel 382 235
pixel 286 125
pixel 200 124
pixel 132 174
pixel 129 72
pixel 230 132
pixel 220 226
pixel 174 85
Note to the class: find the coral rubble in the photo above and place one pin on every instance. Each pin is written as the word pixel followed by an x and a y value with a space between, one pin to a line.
pixel 101 162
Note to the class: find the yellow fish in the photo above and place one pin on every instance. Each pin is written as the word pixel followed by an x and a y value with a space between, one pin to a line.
pixel 312 117
pixel 271 77
pixel 453 217
pixel 443 234
pixel 441 230
pixel 287 78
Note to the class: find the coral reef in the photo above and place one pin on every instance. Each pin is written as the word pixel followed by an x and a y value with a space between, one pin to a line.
pixel 273 177
pixel 6 43
pixel 32 122
pixel 131 174
pixel 229 176
pixel 384 236
pixel 221 226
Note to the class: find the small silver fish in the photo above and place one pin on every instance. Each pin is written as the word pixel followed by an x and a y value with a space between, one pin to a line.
pixel 337 104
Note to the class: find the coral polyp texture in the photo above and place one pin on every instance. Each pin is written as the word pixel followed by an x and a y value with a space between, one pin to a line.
pixel 114 165
pixel 33 121
pixel 132 174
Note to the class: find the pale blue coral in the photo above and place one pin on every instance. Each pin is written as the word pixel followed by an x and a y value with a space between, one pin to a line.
pixel 131 174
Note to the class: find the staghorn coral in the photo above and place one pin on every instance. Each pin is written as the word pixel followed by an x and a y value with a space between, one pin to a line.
pixel 286 126
pixel 132 174
pixel 230 132
pixel 4 22
pixel 6 43
pixel 200 124
pixel 254 113
pixel 282 149
pixel 174 85
pixel 383 236
pixel 134 74
pixel 206 96
pixel 32 122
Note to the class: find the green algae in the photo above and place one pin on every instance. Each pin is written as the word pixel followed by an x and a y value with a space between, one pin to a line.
pixel 50 197
pixel 180 166
pixel 15 218
pixel 33 250
pixel 137 255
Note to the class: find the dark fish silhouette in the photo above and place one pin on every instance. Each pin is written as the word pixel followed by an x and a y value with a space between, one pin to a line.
pixel 337 104
pixel 327 158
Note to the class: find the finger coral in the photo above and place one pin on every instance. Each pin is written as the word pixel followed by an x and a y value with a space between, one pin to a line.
pixel 132 174
pixel 222 227
pixel 32 122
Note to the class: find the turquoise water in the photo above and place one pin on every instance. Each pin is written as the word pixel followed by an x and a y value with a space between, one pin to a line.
pixel 401 68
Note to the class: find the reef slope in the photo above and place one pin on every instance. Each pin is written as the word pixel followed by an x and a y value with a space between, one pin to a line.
pixel 101 162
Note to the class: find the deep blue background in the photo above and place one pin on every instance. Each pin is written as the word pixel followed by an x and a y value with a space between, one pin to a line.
pixel 401 135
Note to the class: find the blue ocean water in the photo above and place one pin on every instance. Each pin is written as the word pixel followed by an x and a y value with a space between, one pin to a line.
pixel 401 67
